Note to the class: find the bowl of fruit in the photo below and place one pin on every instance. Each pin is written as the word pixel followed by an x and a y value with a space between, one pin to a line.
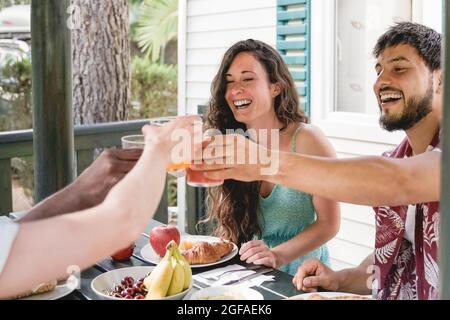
pixel 170 279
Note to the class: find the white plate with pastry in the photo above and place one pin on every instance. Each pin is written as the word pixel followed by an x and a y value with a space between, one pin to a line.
pixel 200 251
pixel 330 296
pixel 49 291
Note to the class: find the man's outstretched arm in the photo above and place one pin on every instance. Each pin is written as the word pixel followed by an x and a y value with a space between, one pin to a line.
pixel 373 181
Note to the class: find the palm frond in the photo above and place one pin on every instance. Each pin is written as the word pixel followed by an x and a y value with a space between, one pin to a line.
pixel 157 25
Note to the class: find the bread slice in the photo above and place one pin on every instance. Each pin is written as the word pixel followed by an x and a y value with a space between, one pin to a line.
pixel 43 287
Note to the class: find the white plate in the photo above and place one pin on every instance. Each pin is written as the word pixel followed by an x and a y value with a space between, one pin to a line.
pixel 106 282
pixel 227 293
pixel 306 296
pixel 60 291
pixel 151 256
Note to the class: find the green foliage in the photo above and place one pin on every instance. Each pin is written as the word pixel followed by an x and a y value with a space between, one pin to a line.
pixel 157 25
pixel 155 87
pixel 17 114
pixel 134 7
pixel 23 170
pixel 172 191
pixel 16 97
pixel 18 69
pixel 133 2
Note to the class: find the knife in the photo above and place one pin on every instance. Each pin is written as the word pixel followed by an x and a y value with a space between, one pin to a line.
pixel 250 276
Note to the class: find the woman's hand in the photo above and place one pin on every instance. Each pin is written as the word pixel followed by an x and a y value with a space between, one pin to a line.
pixel 257 252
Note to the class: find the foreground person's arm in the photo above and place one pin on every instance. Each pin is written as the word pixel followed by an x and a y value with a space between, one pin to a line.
pixel 44 249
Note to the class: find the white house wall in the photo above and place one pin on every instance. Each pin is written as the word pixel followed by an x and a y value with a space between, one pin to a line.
pixel 213 26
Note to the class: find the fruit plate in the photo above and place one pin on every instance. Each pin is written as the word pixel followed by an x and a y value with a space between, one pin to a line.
pixel 226 293
pixel 151 256
pixel 105 282
pixel 330 296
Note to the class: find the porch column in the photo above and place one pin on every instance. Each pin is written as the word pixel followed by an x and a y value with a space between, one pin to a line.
pixel 444 234
pixel 52 97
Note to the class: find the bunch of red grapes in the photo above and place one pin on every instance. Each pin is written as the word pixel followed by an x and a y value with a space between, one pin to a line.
pixel 130 289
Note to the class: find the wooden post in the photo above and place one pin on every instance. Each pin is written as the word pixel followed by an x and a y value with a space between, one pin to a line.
pixel 6 204
pixel 444 234
pixel 52 96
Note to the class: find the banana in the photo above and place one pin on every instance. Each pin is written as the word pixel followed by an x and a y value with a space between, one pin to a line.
pixel 148 280
pixel 160 278
pixel 177 282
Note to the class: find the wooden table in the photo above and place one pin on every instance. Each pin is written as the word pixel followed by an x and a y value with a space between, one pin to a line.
pixel 279 289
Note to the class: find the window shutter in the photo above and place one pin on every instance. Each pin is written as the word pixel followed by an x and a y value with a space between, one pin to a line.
pixel 293 43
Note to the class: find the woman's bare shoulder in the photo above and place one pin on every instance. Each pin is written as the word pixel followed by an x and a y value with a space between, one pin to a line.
pixel 312 141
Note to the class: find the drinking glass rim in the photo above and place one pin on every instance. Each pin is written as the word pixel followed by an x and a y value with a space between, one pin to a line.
pixel 162 120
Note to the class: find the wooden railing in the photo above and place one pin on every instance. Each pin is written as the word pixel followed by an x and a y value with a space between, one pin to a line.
pixel 18 144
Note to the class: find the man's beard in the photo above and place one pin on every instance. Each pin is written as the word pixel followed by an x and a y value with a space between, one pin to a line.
pixel 416 108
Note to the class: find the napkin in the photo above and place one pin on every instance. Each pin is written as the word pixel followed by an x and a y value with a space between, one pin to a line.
pixel 257 281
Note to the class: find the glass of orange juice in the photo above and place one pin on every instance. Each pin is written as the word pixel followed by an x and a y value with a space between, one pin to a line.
pixel 181 168
pixel 198 178
pixel 175 168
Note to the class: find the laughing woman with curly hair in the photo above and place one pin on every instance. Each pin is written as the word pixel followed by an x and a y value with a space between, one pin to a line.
pixel 275 226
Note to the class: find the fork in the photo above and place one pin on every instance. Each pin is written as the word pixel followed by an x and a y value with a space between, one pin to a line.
pixel 218 277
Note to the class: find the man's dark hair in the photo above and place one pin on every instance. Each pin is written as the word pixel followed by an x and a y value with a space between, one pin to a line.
pixel 426 41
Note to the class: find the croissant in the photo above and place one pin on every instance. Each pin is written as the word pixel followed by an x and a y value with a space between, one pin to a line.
pixel 203 252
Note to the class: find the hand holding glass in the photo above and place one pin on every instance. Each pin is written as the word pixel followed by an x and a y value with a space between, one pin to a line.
pixel 198 178
pixel 178 169
pixel 138 141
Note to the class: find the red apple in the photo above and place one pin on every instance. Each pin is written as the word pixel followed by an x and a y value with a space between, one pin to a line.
pixel 161 236
pixel 124 254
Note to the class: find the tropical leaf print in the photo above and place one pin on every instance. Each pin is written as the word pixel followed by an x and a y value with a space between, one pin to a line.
pixel 431 271
pixel 389 225
pixel 408 292
pixel 384 253
pixel 431 228
pixel 405 268
pixel 437 224
pixel 405 255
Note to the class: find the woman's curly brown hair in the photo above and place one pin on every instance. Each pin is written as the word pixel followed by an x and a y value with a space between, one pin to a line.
pixel 233 207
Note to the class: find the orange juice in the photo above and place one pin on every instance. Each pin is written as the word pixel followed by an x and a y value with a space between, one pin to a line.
pixel 178 166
